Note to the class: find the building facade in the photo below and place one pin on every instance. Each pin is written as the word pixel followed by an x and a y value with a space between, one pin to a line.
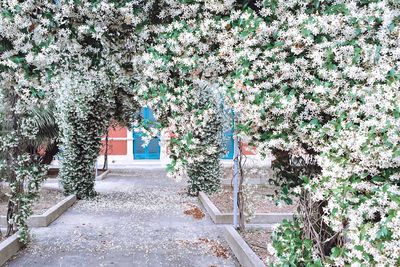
pixel 125 146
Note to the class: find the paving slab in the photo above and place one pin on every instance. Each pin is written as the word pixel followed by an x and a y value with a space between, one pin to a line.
pixel 138 219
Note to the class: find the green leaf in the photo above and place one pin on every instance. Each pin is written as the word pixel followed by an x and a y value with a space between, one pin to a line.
pixel 377 54
pixel 383 232
pixel 18 59
pixel 7 14
pixel 391 27
pixel 336 252
pixel 306 32
pixel 357 55
pixel 396 113
pixel 337 9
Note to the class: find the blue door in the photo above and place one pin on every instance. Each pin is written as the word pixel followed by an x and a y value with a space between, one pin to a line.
pixel 152 150
pixel 229 145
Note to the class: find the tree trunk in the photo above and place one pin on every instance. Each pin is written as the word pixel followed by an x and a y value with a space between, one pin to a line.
pixel 105 165
pixel 241 204
pixel 11 159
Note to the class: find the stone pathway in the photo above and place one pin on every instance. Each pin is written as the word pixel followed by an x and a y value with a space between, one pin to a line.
pixel 138 220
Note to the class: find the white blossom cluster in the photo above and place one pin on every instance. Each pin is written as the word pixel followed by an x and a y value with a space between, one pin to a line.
pixel 181 66
pixel 323 78
pixel 25 67
pixel 307 77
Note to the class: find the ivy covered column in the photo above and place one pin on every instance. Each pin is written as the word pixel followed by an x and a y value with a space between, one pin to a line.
pixel 197 145
pixel 83 120
pixel 205 170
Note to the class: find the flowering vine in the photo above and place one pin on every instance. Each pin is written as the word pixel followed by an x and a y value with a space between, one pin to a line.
pixel 316 83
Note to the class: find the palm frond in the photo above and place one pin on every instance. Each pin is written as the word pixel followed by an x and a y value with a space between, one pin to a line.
pixel 45 121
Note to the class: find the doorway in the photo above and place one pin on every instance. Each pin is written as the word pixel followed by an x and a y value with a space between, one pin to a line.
pixel 152 150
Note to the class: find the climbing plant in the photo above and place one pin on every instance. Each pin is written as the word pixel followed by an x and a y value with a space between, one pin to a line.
pixel 203 141
pixel 316 83
pixel 88 56
pixel 25 66
pixel 95 80
pixel 81 108
pixel 182 83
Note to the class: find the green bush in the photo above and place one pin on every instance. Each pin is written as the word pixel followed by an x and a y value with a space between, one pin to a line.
pixel 291 248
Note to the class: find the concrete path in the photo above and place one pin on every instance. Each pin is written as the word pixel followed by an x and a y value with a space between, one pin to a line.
pixel 138 220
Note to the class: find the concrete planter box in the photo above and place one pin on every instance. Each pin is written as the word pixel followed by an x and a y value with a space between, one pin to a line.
pixel 55 172
pixel 9 247
pixel 227 218
pixel 102 176
pixel 49 216
pixel 244 254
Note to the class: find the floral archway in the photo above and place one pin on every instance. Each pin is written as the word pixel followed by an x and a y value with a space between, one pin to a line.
pixel 314 82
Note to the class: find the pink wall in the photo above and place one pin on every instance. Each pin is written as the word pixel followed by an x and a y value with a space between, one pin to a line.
pixel 116 147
